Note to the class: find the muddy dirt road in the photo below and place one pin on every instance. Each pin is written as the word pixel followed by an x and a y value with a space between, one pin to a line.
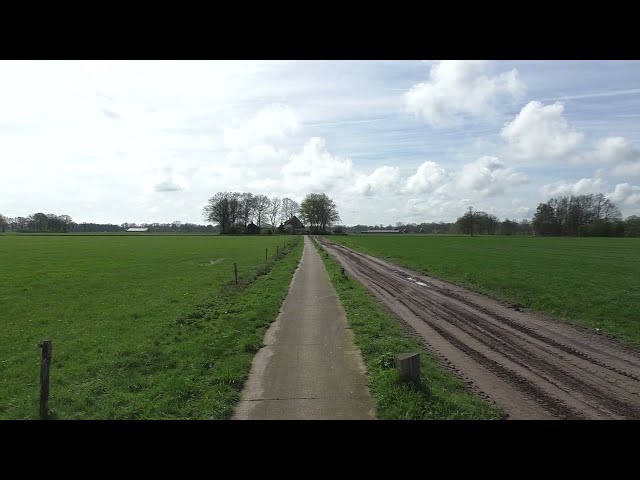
pixel 530 365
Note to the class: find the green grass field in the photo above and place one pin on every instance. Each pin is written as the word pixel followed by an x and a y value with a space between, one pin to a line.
pixel 142 327
pixel 592 281
pixel 380 337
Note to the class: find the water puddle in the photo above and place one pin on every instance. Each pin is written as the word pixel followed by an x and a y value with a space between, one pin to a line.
pixel 417 282
pixel 212 262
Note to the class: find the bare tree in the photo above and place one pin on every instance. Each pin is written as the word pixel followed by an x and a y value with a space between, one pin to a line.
pixel 4 221
pixel 224 208
pixel 274 210
pixel 261 206
pixel 289 208
pixel 247 207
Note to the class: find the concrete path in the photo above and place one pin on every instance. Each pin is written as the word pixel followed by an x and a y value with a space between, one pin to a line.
pixel 309 367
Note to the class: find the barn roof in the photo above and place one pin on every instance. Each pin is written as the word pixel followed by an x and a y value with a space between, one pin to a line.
pixel 294 222
pixel 138 229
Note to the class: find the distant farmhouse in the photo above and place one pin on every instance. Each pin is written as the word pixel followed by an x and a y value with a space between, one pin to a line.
pixel 253 229
pixel 138 229
pixel 294 225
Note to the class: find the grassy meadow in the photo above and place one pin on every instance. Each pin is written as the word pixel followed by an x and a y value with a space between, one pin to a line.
pixel 591 281
pixel 142 326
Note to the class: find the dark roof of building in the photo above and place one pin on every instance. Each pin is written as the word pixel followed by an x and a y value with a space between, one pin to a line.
pixel 294 222
pixel 253 228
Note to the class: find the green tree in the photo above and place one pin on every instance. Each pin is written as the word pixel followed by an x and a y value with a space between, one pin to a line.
pixel 319 211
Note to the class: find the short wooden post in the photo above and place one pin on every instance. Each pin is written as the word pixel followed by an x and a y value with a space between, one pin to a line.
pixel 277 250
pixel 235 271
pixel 265 254
pixel 45 363
pixel 408 364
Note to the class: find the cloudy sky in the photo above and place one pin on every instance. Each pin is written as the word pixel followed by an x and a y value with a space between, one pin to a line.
pixel 411 141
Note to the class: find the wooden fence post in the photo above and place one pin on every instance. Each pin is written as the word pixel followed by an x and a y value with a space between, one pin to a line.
pixel 277 250
pixel 409 366
pixel 45 363
pixel 235 271
pixel 265 254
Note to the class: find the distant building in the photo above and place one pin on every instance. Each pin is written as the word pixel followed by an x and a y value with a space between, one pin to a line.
pixel 138 229
pixel 294 225
pixel 253 229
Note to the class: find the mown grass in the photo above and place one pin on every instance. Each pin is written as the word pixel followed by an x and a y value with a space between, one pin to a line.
pixel 591 281
pixel 380 337
pixel 142 328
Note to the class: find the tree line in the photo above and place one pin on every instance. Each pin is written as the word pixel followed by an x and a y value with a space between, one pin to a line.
pixel 235 211
pixel 592 215
pixel 51 223
pixel 483 224
pixel 232 212
pixel 581 215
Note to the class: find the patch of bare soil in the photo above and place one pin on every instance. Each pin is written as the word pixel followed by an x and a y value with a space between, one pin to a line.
pixel 533 366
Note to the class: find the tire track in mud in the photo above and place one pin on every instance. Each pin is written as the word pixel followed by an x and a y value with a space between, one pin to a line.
pixel 534 367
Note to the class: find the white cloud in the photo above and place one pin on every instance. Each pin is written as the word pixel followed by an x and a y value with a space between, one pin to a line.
pixel 488 176
pixel 617 149
pixel 583 186
pixel 167 186
pixel 456 88
pixel 168 181
pixel 627 170
pixel 428 177
pixel 257 155
pixel 626 195
pixel 613 149
pixel 540 132
pixel 273 122
pixel 381 180
pixel 438 207
pixel 315 168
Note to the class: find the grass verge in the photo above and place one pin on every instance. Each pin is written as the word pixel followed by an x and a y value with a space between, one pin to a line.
pixel 379 336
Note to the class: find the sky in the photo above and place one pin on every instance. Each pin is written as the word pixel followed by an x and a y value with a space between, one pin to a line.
pixel 389 141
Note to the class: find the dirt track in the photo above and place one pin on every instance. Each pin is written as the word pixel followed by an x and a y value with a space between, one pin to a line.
pixel 532 366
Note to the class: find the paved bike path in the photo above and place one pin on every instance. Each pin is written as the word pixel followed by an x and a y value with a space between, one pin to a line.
pixel 309 368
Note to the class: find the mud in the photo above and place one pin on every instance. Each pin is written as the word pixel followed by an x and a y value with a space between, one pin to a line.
pixel 531 365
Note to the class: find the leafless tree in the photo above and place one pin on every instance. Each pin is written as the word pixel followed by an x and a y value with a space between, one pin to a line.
pixel 274 210
pixel 261 207
pixel 289 208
